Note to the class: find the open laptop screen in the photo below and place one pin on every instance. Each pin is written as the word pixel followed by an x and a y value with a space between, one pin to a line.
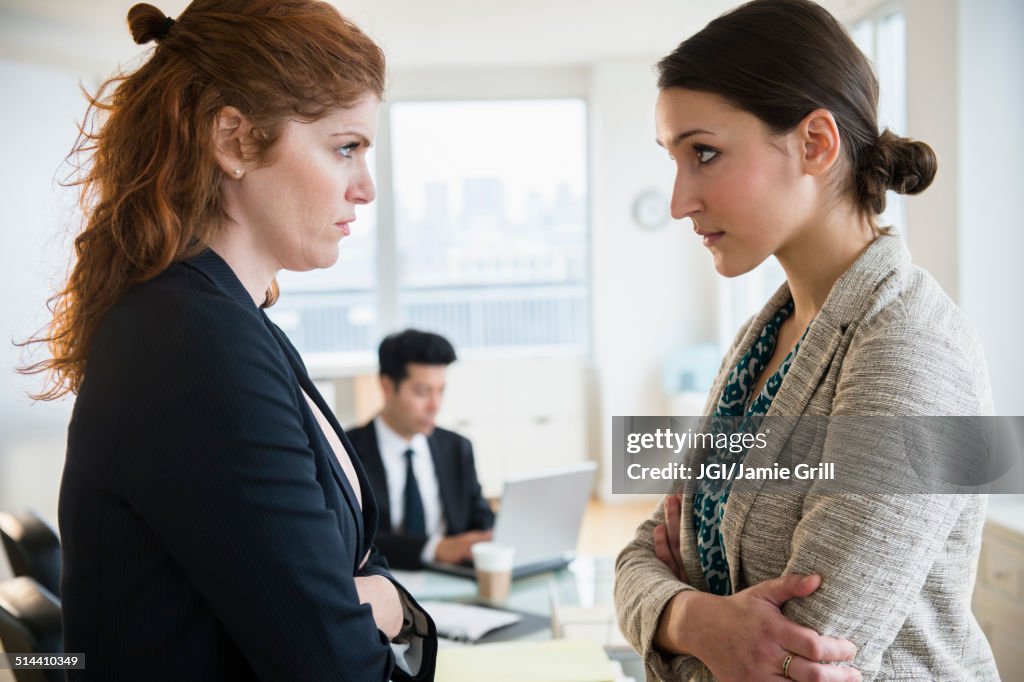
pixel 540 516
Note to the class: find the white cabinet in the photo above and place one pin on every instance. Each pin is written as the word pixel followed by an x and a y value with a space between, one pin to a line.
pixel 523 414
pixel 999 592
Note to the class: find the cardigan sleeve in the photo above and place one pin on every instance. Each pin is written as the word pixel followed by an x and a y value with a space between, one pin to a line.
pixel 643 588
pixel 644 585
pixel 875 552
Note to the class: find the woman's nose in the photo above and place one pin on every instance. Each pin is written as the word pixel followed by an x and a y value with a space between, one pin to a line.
pixel 684 199
pixel 361 190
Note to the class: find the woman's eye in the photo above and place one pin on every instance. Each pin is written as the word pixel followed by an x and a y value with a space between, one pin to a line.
pixel 705 154
pixel 347 149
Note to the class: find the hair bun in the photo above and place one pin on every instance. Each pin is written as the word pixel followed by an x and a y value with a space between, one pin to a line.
pixel 903 165
pixel 147 23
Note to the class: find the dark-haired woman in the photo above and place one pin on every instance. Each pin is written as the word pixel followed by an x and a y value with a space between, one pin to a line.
pixel 769 116
pixel 216 523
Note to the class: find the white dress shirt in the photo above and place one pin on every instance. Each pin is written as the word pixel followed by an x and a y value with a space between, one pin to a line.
pixel 392 453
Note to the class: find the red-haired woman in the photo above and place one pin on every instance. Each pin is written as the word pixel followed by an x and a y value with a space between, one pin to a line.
pixel 216 524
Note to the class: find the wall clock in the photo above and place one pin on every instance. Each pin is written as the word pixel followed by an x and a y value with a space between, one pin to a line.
pixel 650 209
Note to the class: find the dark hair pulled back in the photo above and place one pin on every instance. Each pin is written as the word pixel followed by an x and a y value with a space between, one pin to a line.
pixel 782 59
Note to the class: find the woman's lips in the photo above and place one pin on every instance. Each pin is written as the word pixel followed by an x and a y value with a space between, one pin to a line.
pixel 712 237
pixel 708 236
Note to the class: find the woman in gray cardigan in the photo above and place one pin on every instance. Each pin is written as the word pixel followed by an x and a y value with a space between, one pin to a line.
pixel 769 116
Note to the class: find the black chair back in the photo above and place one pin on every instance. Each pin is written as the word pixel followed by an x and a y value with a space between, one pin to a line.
pixel 30 623
pixel 33 549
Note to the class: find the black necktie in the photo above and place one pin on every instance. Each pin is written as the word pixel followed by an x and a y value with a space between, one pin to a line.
pixel 414 521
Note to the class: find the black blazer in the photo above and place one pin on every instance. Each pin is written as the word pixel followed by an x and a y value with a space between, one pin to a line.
pixel 462 504
pixel 208 530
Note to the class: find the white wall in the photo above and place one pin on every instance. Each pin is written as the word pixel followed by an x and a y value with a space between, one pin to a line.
pixel 965 97
pixel 932 94
pixel 991 211
pixel 39 106
pixel 651 290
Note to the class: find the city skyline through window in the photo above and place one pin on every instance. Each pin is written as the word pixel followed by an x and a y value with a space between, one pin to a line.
pixel 489 207
pixel 490 220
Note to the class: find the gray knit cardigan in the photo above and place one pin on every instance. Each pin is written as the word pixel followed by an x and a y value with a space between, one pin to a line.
pixel 898 570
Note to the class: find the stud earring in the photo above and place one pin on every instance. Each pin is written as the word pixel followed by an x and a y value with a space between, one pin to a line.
pixel 237 172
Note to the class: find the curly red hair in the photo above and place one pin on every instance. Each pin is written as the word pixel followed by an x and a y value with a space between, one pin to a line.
pixel 147 171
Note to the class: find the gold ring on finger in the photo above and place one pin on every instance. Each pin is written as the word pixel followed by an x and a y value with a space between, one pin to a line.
pixel 785 666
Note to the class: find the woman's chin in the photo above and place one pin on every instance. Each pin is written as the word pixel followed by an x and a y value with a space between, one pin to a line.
pixel 325 259
pixel 730 269
pixel 730 266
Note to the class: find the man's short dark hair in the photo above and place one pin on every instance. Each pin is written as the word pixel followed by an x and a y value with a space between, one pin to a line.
pixel 425 348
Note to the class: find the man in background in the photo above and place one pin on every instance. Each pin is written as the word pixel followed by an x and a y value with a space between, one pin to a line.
pixel 423 477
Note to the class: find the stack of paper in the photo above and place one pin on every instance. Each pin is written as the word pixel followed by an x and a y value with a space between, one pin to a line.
pixel 563 660
pixel 594 622
pixel 465 622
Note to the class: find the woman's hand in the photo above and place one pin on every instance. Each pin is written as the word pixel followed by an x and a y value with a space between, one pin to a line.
pixel 381 595
pixel 666 537
pixel 744 636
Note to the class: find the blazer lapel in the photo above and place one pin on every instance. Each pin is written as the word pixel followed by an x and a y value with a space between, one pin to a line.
pixel 349 493
pixel 735 510
pixel 805 373
pixel 368 529
pixel 215 269
pixel 843 305
pixel 688 538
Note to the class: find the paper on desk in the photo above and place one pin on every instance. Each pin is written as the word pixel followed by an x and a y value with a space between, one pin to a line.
pixel 590 622
pixel 464 621
pixel 561 660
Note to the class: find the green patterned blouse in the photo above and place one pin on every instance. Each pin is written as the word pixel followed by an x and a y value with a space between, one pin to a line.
pixel 710 499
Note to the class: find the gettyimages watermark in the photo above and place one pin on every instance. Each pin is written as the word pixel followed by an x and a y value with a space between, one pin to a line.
pixel 819 455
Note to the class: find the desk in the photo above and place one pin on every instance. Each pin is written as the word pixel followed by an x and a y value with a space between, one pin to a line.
pixel 588 581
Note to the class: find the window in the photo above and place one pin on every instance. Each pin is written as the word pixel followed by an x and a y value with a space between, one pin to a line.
pixel 882 37
pixel 481 235
pixel 490 220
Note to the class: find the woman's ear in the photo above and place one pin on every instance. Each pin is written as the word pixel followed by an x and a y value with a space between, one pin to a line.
pixel 820 140
pixel 231 134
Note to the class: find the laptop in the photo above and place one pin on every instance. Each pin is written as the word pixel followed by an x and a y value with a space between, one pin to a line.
pixel 540 516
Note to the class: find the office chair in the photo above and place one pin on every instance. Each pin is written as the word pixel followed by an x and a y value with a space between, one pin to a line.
pixel 30 624
pixel 33 549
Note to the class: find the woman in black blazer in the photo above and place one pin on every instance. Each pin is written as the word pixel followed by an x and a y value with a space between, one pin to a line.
pixel 215 520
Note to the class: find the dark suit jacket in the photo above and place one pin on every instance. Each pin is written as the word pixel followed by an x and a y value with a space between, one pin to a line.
pixel 462 504
pixel 208 530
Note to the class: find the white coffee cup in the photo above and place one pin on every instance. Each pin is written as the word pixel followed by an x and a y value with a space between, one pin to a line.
pixel 493 563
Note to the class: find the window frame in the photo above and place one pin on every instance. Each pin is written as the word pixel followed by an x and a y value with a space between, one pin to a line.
pixel 457 85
